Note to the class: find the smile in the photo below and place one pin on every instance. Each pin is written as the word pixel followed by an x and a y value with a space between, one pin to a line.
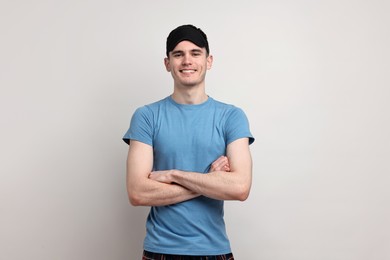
pixel 187 71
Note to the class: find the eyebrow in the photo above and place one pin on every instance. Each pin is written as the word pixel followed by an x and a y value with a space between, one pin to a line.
pixel 192 51
pixel 197 50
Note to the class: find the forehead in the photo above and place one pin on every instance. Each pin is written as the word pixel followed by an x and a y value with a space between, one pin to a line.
pixel 186 46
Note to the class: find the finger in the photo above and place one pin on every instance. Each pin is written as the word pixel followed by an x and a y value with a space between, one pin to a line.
pixel 216 163
pixel 220 162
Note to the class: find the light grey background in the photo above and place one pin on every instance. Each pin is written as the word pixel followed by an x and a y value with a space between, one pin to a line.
pixel 312 76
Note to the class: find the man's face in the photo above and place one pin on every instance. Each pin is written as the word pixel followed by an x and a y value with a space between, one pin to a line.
pixel 188 64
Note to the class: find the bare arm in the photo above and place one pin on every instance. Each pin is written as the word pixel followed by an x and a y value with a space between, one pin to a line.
pixel 231 185
pixel 143 191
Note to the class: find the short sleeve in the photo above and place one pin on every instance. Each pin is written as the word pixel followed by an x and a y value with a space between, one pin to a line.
pixel 237 126
pixel 141 127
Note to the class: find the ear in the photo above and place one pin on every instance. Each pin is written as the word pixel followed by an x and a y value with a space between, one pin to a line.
pixel 210 61
pixel 167 64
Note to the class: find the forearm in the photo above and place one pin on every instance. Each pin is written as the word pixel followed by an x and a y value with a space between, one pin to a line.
pixel 153 193
pixel 228 180
pixel 217 185
pixel 142 191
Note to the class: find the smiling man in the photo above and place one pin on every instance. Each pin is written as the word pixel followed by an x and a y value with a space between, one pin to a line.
pixel 187 154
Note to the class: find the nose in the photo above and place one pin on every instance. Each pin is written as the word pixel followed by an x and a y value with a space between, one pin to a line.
pixel 186 59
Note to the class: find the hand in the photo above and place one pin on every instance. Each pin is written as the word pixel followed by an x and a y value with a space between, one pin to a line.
pixel 221 164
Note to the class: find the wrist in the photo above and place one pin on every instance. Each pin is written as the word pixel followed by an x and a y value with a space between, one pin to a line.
pixel 173 175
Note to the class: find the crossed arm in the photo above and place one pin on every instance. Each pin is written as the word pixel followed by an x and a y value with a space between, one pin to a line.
pixel 229 178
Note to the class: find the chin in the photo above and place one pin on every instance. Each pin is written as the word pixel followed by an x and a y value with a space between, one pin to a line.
pixel 188 83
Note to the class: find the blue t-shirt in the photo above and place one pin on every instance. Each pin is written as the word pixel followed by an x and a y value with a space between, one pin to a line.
pixel 187 138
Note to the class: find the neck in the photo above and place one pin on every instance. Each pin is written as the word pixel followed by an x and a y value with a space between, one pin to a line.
pixel 189 96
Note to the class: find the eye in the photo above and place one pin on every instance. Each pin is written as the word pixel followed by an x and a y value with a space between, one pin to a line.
pixel 176 54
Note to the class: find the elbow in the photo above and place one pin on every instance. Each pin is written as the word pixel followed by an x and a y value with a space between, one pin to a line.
pixel 136 196
pixel 242 196
pixel 242 193
pixel 135 199
pixel 134 202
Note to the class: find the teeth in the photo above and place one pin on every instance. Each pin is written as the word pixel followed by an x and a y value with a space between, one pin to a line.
pixel 187 71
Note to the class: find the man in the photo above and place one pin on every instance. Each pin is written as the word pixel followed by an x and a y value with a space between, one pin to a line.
pixel 187 154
